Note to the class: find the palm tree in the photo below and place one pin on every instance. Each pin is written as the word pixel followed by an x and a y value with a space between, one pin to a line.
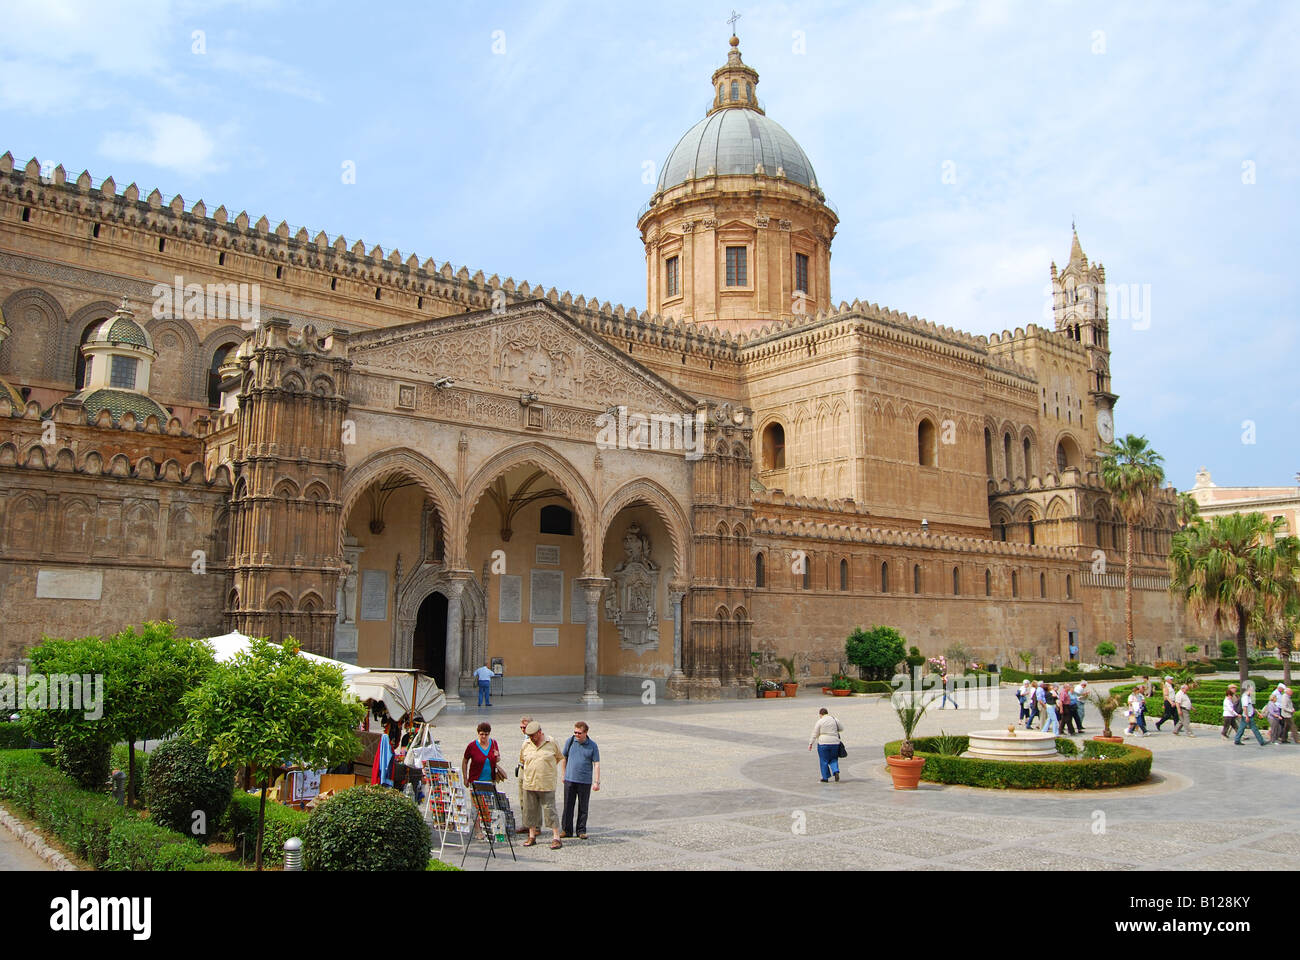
pixel 1132 473
pixel 1236 572
pixel 1188 509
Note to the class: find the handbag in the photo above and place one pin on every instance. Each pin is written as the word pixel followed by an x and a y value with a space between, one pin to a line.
pixel 842 752
pixel 422 748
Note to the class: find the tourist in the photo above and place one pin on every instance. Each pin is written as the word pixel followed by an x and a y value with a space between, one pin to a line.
pixel 1231 710
pixel 826 737
pixel 1274 715
pixel 519 770
pixel 1137 707
pixel 1022 697
pixel 481 757
pixel 484 675
pixel 1066 705
pixel 1286 707
pixel 540 757
pixel 1247 721
pixel 1184 704
pixel 580 769
pixel 1080 701
pixel 948 688
pixel 1038 706
pixel 1051 722
pixel 1170 711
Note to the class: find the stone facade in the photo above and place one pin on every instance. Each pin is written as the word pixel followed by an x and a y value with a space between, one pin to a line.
pixel 416 466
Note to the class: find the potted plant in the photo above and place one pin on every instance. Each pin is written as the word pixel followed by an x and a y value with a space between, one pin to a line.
pixel 905 768
pixel 792 683
pixel 840 686
pixel 769 689
pixel 1106 705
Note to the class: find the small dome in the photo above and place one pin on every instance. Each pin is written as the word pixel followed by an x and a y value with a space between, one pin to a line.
pixel 121 328
pixel 735 141
pixel 15 398
pixel 118 402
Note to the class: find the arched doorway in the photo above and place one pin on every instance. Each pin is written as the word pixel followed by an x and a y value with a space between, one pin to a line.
pixel 430 641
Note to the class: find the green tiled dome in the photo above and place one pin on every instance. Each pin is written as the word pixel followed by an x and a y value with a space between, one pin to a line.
pixel 118 402
pixel 125 330
pixel 14 396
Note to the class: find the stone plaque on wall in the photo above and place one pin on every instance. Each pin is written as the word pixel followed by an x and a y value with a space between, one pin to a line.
pixel 510 608
pixel 546 636
pixel 374 594
pixel 546 596
pixel 69 584
pixel 577 603
pixel 548 553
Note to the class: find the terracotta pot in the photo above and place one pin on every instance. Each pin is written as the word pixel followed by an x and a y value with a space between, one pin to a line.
pixel 1108 739
pixel 769 694
pixel 826 690
pixel 906 773
pixel 791 689
pixel 841 693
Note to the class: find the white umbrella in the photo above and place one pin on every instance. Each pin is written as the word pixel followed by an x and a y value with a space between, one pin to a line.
pixel 226 647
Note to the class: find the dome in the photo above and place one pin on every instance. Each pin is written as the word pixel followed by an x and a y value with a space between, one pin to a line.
pixel 121 328
pixel 736 140
pixel 118 402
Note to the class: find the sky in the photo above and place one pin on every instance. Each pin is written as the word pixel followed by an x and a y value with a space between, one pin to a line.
pixel 958 141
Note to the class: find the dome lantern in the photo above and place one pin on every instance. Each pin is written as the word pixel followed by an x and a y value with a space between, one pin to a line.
pixel 735 83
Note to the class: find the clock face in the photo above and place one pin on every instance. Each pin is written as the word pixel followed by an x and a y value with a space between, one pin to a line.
pixel 1105 426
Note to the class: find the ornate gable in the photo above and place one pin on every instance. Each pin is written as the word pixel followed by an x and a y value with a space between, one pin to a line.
pixel 529 348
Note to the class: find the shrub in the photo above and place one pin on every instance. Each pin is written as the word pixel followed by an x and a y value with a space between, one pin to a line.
pixel 870 686
pixel 214 863
pixel 281 823
pixel 85 760
pixel 1227 649
pixel 1103 765
pixel 1015 676
pixel 366 828
pixel 1071 666
pixel 141 845
pixel 13 737
pixel 1105 649
pixel 914 659
pixel 435 864
pixel 876 651
pixel 182 782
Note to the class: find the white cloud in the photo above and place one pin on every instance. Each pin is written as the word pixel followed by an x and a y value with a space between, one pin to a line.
pixel 168 140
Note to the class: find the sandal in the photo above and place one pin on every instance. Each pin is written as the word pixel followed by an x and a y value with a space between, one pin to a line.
pixel 555 844
pixel 530 842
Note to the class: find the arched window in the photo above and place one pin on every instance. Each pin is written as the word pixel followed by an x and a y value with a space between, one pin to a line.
pixel 1029 461
pixel 735 90
pixel 1015 584
pixel 988 451
pixel 956 582
pixel 749 91
pixel 557 521
pixel 926 453
pixel 1099 540
pixel 760 574
pixel 844 574
pixel 1030 524
pixel 988 583
pixel 214 376
pixel 774 447
pixel 884 577
pixel 916 578
pixel 1069 587
pixel 1006 453
pixel 1042 585
pixel 83 374
pixel 1002 531
pixel 807 572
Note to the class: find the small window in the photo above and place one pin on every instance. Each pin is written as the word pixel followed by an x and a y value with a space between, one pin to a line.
pixel 378 293
pixel 956 582
pixel 884 577
pixel 774 447
pixel 162 244
pixel 1029 462
pixel 221 259
pixel 1099 540
pixel 334 283
pixel 988 452
pixel 1015 584
pixel 27 216
pixel 90 362
pixel 95 232
pixel 1030 524
pixel 760 574
pixel 735 90
pixel 1006 452
pixel 1002 531
pixel 279 273
pixel 1042 585
pixel 749 91
pixel 844 574
pixel 556 521
pixel 672 285
pixel 122 373
pixel 214 375
pixel 801 272
pixel 926 453
pixel 737 272
pixel 807 572
pixel 1069 587
pixel 916 578
pixel 988 583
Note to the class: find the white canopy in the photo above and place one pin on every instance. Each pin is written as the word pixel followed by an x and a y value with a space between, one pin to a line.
pixel 393 687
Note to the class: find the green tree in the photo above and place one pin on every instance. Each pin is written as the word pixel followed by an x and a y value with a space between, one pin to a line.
pixel 876 651
pixel 1027 658
pixel 958 656
pixel 1131 472
pixel 269 707
pixel 1105 649
pixel 82 733
pixel 1237 573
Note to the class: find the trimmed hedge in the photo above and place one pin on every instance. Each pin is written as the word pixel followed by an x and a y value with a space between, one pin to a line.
pixel 281 823
pixel 1103 765
pixel 1015 676
pixel 13 737
pixel 870 686
pixel 181 783
pixel 91 824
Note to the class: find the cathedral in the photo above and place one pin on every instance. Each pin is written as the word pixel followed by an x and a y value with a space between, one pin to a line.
pixel 209 419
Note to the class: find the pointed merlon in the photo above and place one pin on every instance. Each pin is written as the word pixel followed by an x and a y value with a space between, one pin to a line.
pixel 200 210
pixel 154 199
pixel 220 215
pixel 33 168
pixel 131 194
pixel 321 240
pixel 262 224
pixel 83 181
pixel 177 206
pixel 7 162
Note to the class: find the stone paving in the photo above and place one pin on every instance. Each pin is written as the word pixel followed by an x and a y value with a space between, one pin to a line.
pixel 726 786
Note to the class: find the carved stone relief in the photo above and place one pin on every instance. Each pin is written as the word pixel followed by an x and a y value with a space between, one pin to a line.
pixel 631 599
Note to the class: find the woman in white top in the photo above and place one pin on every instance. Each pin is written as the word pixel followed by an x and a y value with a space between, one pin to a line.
pixel 826 737
pixel 1230 711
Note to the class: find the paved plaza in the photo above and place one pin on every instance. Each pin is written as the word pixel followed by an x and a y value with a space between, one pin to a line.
pixel 727 786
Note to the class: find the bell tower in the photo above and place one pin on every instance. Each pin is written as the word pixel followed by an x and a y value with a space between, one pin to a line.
pixel 1080 310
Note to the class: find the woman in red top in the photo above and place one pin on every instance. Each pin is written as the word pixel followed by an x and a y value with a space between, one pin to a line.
pixel 481 756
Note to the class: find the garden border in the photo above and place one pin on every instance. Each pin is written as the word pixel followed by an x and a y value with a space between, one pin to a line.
pixel 1129 766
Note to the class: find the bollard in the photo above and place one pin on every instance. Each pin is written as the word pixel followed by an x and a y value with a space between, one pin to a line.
pixel 119 787
pixel 293 854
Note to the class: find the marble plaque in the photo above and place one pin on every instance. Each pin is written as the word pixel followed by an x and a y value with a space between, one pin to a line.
pixel 548 553
pixel 69 584
pixel 577 603
pixel 374 594
pixel 546 636
pixel 546 596
pixel 510 608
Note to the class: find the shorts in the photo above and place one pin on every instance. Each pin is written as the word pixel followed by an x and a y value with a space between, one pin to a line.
pixel 537 803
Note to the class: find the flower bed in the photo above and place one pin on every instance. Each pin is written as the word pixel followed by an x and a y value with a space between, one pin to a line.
pixel 1102 765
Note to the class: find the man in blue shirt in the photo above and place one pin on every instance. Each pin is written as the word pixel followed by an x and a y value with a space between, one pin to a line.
pixel 581 771
pixel 484 675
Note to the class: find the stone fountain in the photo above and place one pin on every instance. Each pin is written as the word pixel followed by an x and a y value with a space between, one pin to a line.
pixel 1012 744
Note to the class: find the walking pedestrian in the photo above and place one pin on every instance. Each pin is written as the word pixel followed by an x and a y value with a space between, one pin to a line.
pixel 1066 705
pixel 1274 716
pixel 1137 706
pixel 1184 704
pixel 1170 711
pixel 949 690
pixel 1286 708
pixel 484 675
pixel 1022 697
pixel 1231 710
pixel 581 771
pixel 826 737
pixel 519 773
pixel 1051 722
pixel 1037 706
pixel 1080 701
pixel 540 757
pixel 1247 721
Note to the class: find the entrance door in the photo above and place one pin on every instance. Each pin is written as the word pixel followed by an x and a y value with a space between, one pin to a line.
pixel 430 646
pixel 1074 644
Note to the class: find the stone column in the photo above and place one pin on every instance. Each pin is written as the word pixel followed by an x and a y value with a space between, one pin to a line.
pixel 455 639
pixel 675 597
pixel 592 589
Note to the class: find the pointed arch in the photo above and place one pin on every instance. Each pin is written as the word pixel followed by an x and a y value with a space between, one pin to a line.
pixel 431 478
